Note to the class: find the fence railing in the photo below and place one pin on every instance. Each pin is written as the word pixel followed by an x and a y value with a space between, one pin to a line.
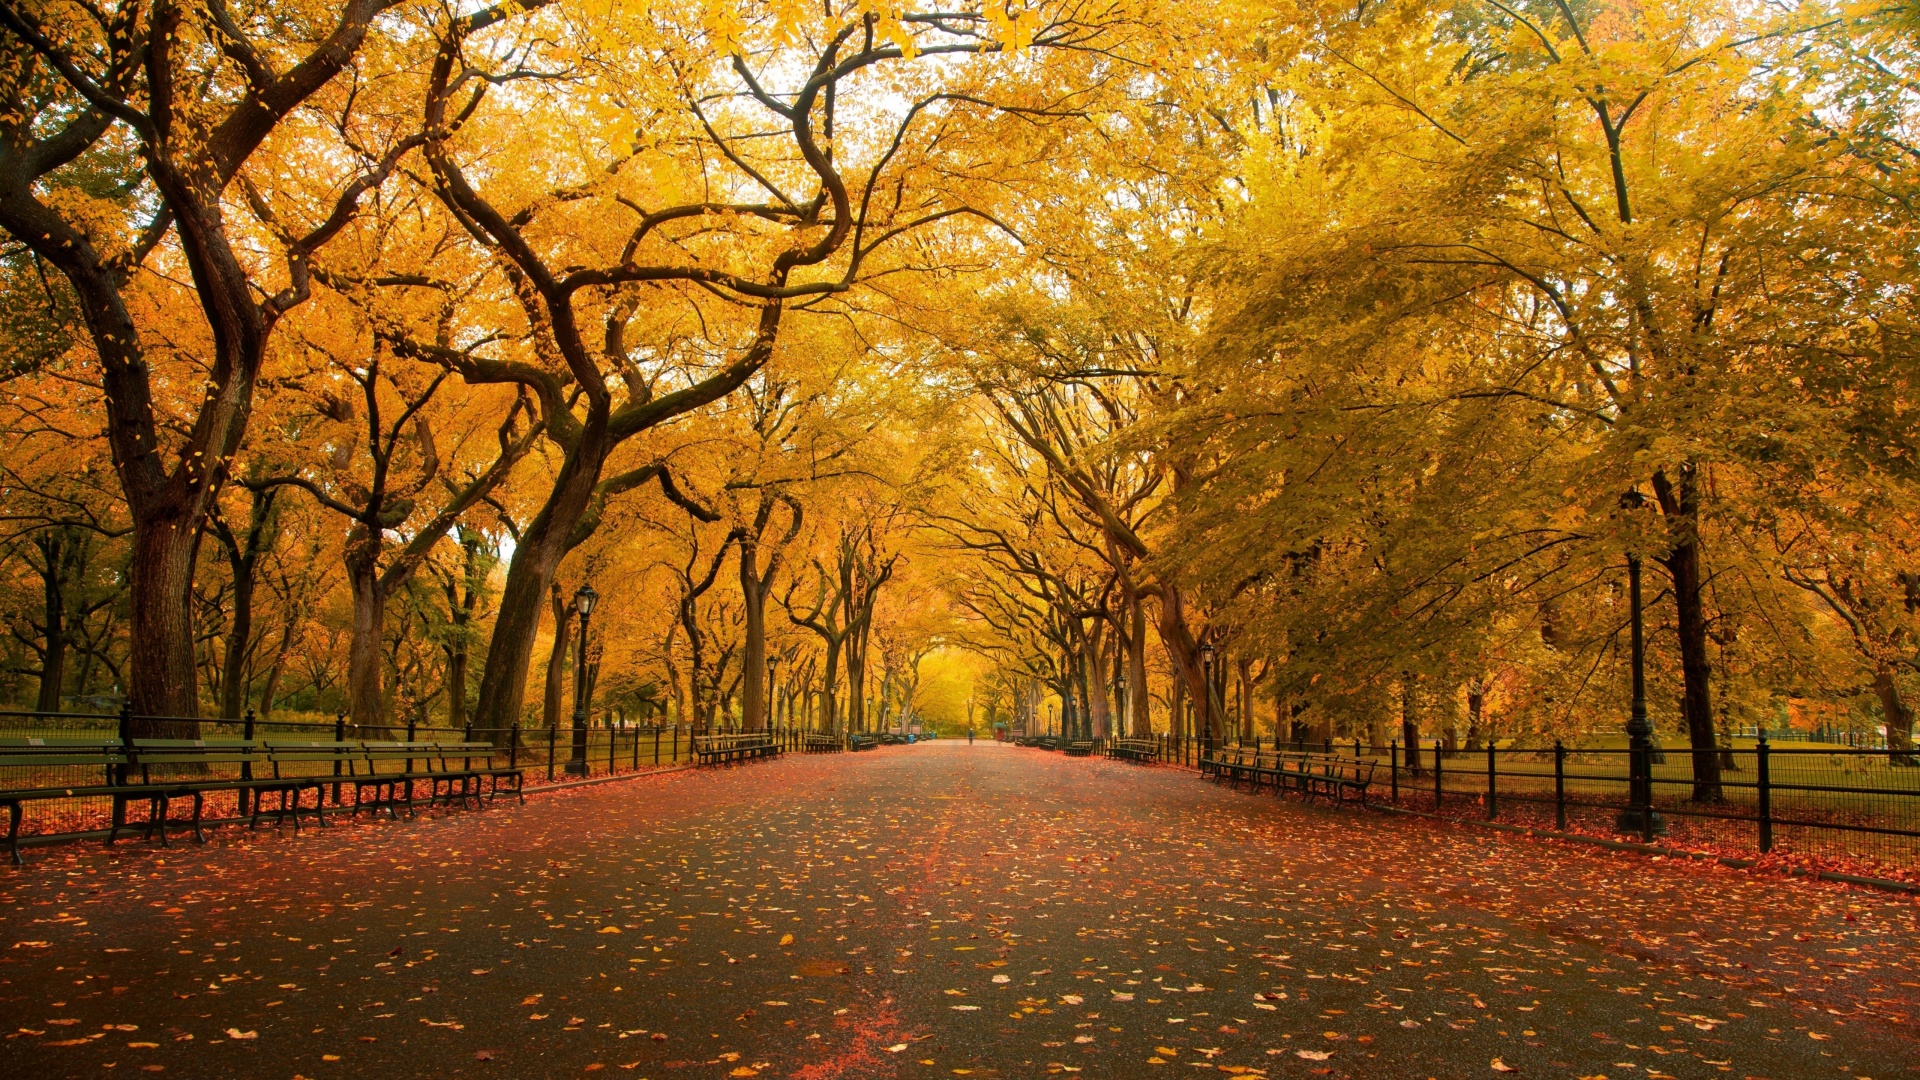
pixel 547 755
pixel 1857 803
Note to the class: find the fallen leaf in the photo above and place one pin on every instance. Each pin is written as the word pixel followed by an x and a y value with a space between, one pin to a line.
pixel 895 1048
pixel 1501 1066
pixel 786 939
pixel 1314 1055
pixel 236 1033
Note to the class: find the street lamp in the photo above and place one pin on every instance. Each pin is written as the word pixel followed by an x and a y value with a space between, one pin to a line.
pixel 1206 704
pixel 1640 816
pixel 583 601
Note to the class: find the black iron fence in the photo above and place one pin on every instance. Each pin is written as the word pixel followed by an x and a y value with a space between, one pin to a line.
pixel 1861 804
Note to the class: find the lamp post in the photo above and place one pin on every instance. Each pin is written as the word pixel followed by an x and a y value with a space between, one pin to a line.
pixel 1207 655
pixel 583 601
pixel 1049 719
pixel 1640 816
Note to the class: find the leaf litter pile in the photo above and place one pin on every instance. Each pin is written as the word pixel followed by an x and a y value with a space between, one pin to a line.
pixel 938 910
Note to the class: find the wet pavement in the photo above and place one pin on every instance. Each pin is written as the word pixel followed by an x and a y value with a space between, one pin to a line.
pixel 933 911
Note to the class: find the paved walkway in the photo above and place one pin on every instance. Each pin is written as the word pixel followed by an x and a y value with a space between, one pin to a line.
pixel 932 911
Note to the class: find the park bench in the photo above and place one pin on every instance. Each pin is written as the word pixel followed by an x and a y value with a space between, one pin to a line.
pixel 169 769
pixel 476 765
pixel 726 749
pixel 393 768
pixel 1311 774
pixel 820 742
pixel 862 741
pixel 36 755
pixel 1144 750
pixel 1077 748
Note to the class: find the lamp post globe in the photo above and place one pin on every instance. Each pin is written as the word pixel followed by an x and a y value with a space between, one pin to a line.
pixel 584 600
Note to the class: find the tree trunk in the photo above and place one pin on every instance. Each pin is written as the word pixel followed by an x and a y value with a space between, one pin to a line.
pixel 555 706
pixel 536 558
pixel 1139 699
pixel 753 687
pixel 1476 706
pixel 272 686
pixel 1899 716
pixel 233 670
pixel 457 687
pixel 1098 708
pixel 830 688
pixel 366 703
pixel 53 655
pixel 856 661
pixel 1683 563
pixel 1177 707
pixel 1245 670
pixel 160 664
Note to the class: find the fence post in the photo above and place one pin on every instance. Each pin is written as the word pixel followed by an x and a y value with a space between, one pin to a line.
pixel 1437 770
pixel 656 742
pixel 1491 776
pixel 1393 766
pixel 339 736
pixel 1356 746
pixel 412 734
pixel 1766 794
pixel 636 749
pixel 1559 786
pixel 553 737
pixel 246 763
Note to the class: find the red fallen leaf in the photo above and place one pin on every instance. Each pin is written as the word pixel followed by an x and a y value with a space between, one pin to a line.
pixel 397 950
pixel 483 1055
pixel 659 1037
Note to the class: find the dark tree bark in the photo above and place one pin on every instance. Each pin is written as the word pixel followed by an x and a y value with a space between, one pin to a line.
pixel 1679 506
pixel 554 707
pixel 754 586
pixel 243 561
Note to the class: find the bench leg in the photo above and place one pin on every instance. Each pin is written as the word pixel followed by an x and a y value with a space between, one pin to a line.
pixel 13 832
pixel 158 821
pixel 199 804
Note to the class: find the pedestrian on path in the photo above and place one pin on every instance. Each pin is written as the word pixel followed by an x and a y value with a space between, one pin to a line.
pixel 969 734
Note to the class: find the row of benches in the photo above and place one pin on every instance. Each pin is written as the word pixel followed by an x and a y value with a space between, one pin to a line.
pixel 160 771
pixel 1338 778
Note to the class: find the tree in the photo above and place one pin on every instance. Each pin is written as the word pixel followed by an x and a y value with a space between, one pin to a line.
pixel 123 108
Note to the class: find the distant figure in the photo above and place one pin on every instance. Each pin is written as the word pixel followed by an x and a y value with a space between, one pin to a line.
pixel 969 734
